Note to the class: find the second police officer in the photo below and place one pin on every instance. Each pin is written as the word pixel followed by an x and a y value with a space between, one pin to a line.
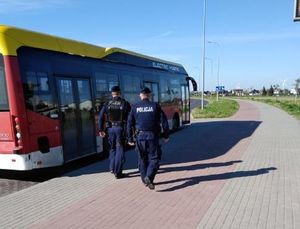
pixel 144 121
pixel 114 113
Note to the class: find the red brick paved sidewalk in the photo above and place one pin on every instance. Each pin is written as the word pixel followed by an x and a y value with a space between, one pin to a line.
pixel 184 191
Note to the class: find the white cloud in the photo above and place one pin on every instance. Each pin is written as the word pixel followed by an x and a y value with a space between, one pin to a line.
pixel 163 35
pixel 8 6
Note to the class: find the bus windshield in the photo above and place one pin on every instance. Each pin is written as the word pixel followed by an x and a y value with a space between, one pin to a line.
pixel 3 91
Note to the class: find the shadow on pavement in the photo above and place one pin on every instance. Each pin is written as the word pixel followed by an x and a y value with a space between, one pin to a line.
pixel 190 181
pixel 44 174
pixel 196 142
pixel 207 140
pixel 199 141
pixel 197 166
pixel 188 167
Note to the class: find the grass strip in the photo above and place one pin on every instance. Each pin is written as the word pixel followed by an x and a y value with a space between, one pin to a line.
pixel 217 109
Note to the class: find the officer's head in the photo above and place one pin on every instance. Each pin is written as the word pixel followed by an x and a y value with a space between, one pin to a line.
pixel 145 93
pixel 115 91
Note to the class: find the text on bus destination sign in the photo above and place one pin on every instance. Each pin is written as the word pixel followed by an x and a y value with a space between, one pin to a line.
pixel 165 66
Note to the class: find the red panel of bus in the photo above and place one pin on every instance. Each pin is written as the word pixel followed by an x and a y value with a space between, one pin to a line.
pixel 6 133
pixel 16 100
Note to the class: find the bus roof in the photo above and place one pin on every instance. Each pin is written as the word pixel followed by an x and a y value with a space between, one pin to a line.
pixel 12 38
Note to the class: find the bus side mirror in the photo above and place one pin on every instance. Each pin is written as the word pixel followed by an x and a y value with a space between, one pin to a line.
pixel 194 83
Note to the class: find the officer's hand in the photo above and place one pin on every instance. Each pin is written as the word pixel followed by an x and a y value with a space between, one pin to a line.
pixel 166 140
pixel 131 143
pixel 102 134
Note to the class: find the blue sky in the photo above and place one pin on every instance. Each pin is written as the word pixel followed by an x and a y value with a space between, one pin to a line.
pixel 259 42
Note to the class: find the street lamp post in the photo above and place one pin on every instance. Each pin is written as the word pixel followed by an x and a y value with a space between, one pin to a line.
pixel 203 55
pixel 218 75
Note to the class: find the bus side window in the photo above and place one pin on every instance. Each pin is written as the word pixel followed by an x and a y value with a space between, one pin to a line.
pixel 175 90
pixel 104 82
pixel 130 82
pixel 164 90
pixel 38 95
pixel 131 86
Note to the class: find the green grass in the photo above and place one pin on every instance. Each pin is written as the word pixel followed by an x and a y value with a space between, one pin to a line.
pixel 288 104
pixel 216 109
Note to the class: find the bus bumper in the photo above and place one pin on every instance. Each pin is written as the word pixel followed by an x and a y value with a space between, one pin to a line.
pixel 32 160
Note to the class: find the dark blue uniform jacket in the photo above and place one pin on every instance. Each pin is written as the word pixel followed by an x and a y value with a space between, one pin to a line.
pixel 104 110
pixel 147 116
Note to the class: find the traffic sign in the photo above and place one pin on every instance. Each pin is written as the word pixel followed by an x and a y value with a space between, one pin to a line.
pixel 220 88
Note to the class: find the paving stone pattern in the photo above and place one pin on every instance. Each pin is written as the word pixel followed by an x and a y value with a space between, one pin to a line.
pixel 239 172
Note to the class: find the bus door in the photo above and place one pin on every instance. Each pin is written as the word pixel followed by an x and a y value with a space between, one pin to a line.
pixel 77 117
pixel 185 96
pixel 154 90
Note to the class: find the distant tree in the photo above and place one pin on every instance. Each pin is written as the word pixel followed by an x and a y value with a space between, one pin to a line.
pixel 276 86
pixel 264 91
pixel 276 89
pixel 271 91
pixel 286 92
pixel 297 85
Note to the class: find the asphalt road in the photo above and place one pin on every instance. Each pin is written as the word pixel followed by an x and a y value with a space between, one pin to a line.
pixel 197 103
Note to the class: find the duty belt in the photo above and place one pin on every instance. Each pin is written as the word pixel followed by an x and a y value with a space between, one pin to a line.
pixel 144 131
pixel 116 123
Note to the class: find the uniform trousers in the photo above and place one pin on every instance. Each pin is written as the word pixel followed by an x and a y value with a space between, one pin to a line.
pixel 147 146
pixel 116 145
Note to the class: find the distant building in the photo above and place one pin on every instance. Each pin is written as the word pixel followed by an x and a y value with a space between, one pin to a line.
pixel 276 91
pixel 293 91
pixel 237 92
pixel 254 92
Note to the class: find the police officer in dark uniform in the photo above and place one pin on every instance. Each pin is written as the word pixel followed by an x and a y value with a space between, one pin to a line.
pixel 144 120
pixel 114 114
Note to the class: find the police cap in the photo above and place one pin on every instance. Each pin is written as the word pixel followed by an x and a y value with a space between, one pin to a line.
pixel 145 90
pixel 115 89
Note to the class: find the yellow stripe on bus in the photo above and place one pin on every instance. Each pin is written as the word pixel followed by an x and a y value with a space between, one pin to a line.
pixel 12 38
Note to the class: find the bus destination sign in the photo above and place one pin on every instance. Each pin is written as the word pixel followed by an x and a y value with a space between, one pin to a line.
pixel 165 66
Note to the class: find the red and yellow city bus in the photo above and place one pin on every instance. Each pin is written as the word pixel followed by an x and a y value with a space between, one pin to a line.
pixel 51 91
